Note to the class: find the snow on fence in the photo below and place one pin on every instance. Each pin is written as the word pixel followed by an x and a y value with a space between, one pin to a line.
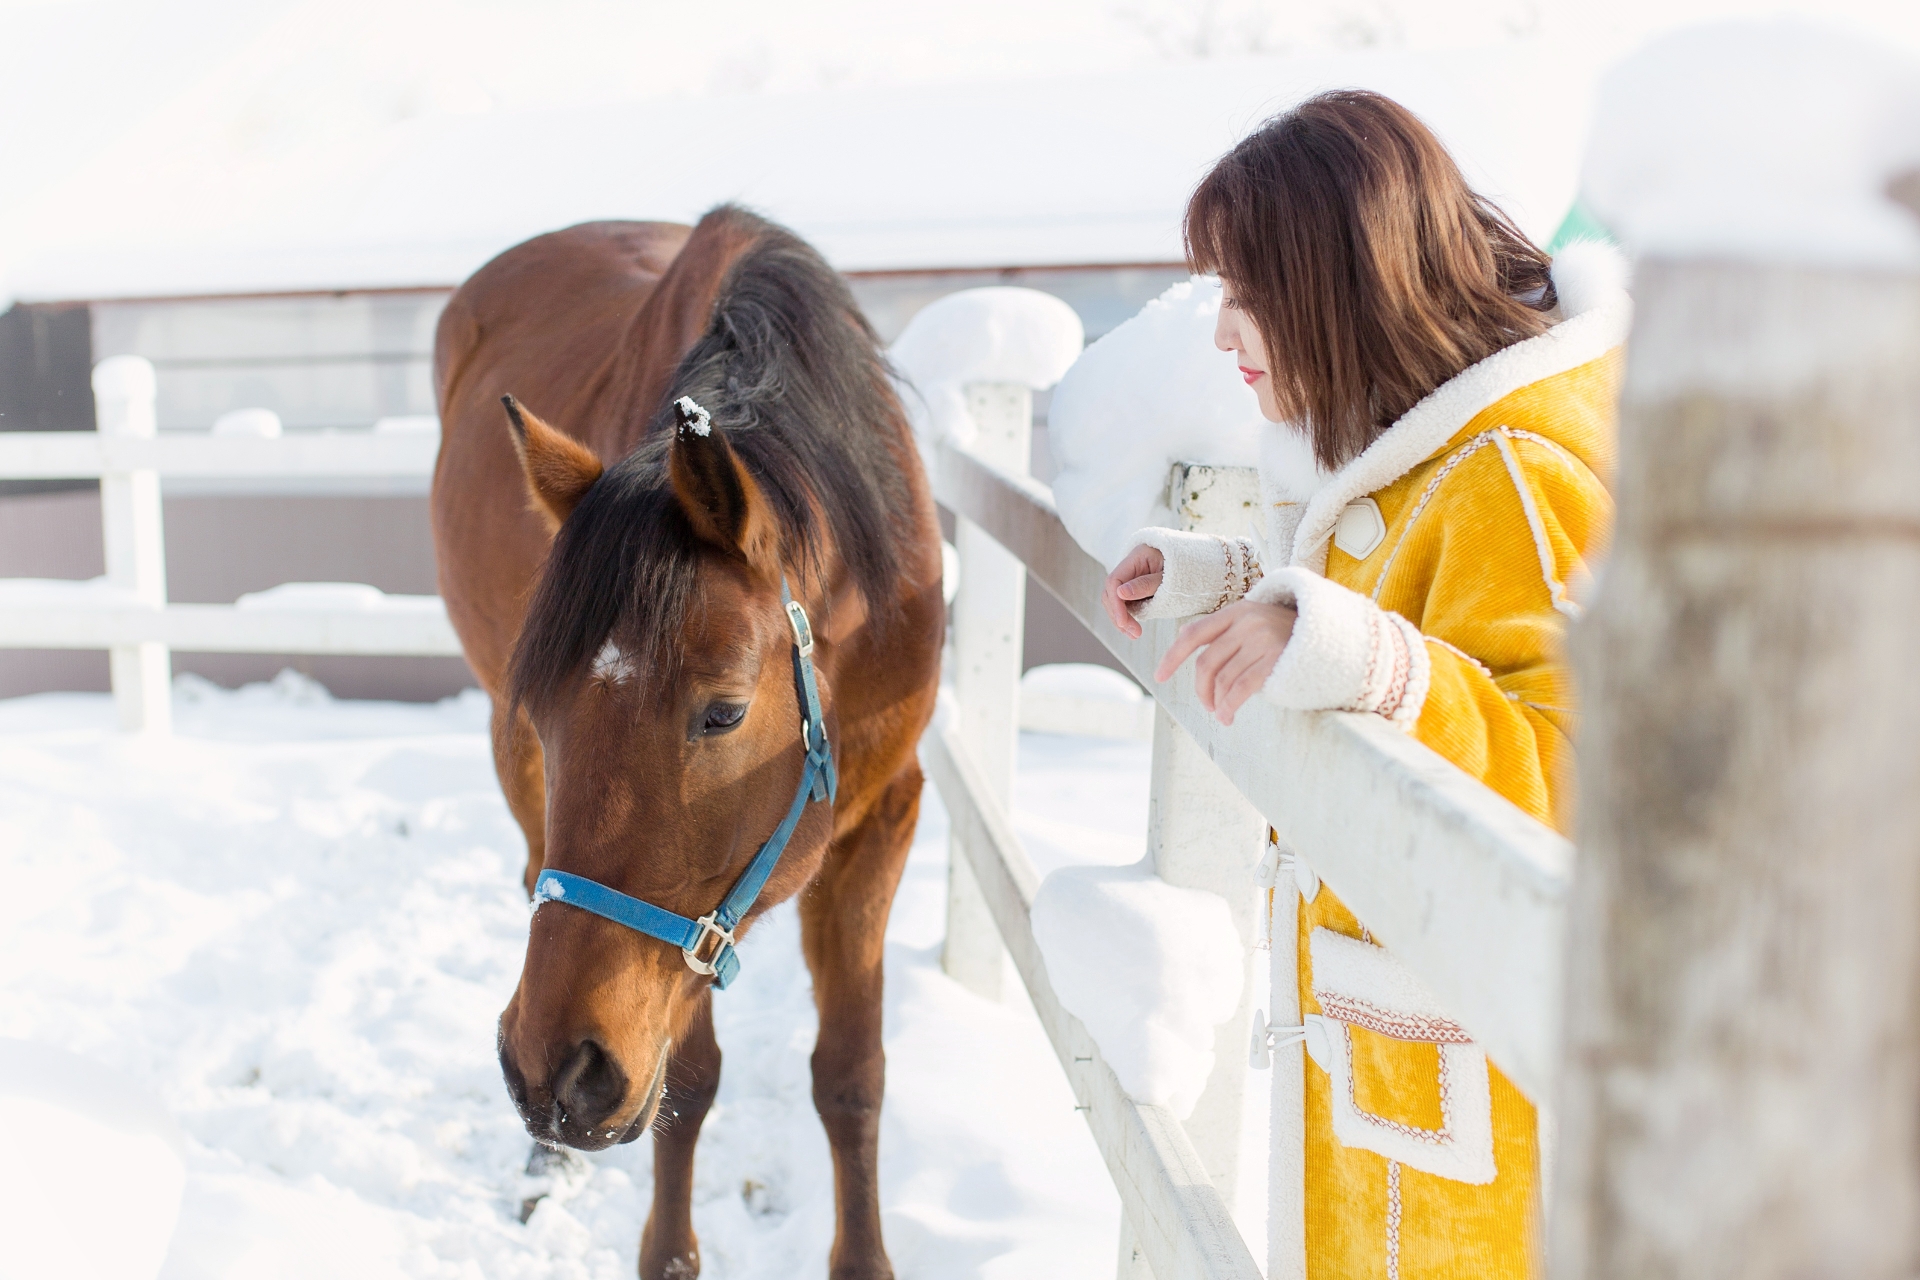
pixel 126 612
pixel 1454 880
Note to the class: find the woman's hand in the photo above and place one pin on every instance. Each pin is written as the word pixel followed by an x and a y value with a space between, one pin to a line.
pixel 1135 578
pixel 1241 644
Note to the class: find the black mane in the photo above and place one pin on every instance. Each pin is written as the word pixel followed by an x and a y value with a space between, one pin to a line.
pixel 794 377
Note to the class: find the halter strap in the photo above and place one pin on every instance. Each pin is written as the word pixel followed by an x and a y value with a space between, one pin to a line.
pixel 819 781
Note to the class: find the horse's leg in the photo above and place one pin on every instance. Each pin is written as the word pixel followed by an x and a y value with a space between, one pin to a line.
pixel 843 918
pixel 518 763
pixel 668 1248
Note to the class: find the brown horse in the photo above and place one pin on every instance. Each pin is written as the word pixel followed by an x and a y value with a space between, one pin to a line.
pixel 616 584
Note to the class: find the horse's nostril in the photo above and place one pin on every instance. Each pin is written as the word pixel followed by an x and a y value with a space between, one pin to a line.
pixel 590 1087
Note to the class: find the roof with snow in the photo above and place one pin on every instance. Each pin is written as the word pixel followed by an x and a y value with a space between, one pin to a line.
pixel 1090 169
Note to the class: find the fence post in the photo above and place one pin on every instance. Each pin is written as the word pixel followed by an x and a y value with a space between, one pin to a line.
pixel 989 634
pixel 1203 834
pixel 123 397
pixel 1740 1091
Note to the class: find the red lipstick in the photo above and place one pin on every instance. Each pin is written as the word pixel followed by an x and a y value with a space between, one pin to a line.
pixel 1252 375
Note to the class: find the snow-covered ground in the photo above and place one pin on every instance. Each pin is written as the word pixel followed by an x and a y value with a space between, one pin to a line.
pixel 295 922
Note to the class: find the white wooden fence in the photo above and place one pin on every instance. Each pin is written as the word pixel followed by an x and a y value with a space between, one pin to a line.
pixel 127 613
pixel 1457 882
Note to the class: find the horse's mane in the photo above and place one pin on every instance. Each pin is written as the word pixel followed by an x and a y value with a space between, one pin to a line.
pixel 794 376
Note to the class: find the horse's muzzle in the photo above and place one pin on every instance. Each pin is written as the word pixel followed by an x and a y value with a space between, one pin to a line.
pixel 578 1107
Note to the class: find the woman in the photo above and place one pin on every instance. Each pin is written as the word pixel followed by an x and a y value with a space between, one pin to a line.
pixel 1441 399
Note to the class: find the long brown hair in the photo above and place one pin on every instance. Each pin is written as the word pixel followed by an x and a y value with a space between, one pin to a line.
pixel 1372 271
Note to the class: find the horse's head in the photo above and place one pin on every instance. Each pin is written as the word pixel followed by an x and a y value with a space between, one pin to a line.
pixel 657 666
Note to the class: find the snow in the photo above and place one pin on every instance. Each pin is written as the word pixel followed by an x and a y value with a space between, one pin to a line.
pixel 1049 169
pixel 95 1140
pixel 125 378
pixel 214 145
pixel 260 423
pixel 1152 392
pixel 1767 140
pixel 1149 967
pixel 295 922
pixel 1081 680
pixel 997 334
pixel 252 80
pixel 1081 698
pixel 304 597
pixel 693 417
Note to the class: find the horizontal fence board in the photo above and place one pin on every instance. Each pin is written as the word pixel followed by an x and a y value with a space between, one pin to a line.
pixel 223 628
pixel 81 455
pixel 1465 888
pixel 1185 1226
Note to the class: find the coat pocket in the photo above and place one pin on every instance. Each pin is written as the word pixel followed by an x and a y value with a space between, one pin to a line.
pixel 1406 1081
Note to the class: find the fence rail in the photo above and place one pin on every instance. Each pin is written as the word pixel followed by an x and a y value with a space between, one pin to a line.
pixel 81 455
pixel 128 613
pixel 91 619
pixel 1164 1185
pixel 1457 882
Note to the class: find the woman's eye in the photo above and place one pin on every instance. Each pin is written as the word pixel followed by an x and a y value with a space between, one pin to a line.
pixel 722 716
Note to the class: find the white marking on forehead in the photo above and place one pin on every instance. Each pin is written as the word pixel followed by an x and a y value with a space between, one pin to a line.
pixel 612 664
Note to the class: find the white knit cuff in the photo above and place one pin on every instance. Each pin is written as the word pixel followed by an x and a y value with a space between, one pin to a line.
pixel 1347 653
pixel 1202 573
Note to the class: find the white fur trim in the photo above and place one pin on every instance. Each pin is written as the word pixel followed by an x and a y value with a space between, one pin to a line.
pixel 1347 653
pixel 1589 283
pixel 1200 573
pixel 1406 713
pixel 1289 477
pixel 1351 974
pixel 1283 518
pixel 1587 273
pixel 1357 984
pixel 1288 470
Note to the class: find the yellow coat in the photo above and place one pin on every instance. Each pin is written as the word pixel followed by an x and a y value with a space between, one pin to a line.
pixel 1435 575
pixel 1499 705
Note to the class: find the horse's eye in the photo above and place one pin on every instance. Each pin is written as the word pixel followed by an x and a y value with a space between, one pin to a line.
pixel 722 716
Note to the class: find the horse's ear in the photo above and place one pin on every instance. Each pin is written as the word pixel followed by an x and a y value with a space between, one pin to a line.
pixel 559 469
pixel 719 496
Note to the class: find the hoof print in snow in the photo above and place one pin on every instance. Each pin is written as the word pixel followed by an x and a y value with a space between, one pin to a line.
pixel 551 1172
pixel 762 1201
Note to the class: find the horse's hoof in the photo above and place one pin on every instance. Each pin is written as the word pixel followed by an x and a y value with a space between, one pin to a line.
pixel 558 1172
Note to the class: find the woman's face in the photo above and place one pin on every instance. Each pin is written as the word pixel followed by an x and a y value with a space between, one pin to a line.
pixel 1235 331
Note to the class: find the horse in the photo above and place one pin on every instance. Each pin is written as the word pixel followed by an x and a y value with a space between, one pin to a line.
pixel 653 436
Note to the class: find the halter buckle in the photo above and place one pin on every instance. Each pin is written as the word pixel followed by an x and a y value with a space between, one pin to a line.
pixel 802 629
pixel 708 929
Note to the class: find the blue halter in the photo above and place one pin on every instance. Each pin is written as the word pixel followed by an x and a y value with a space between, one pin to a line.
pixel 818 781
